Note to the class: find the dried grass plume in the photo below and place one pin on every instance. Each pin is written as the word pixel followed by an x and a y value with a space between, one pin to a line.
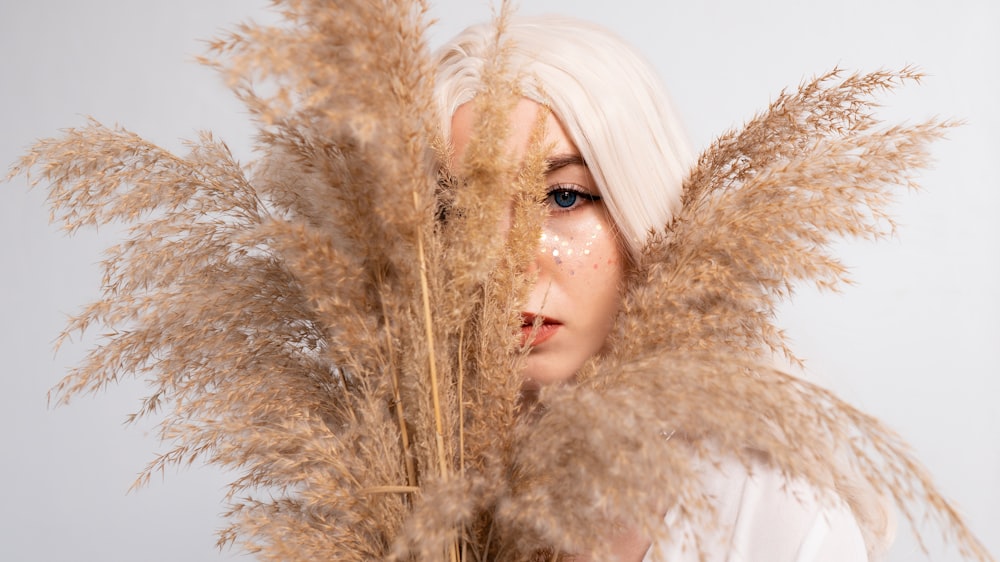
pixel 336 321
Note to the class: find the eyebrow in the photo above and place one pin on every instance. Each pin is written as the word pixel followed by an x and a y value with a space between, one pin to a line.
pixel 557 161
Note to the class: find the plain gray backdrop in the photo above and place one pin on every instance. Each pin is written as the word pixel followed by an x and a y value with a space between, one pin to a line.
pixel 916 341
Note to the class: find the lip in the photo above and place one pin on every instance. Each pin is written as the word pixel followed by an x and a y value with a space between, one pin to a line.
pixel 534 336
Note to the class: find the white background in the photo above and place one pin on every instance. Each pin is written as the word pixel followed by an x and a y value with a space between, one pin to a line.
pixel 916 341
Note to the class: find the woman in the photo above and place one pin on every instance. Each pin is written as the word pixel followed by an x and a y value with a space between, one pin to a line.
pixel 313 324
pixel 615 165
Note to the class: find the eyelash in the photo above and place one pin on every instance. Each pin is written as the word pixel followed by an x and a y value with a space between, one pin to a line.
pixel 573 189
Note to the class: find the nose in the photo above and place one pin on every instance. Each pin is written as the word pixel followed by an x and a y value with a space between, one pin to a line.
pixel 543 257
pixel 546 259
pixel 513 223
pixel 540 269
pixel 533 267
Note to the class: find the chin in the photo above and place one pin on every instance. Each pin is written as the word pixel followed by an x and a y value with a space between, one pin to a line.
pixel 539 373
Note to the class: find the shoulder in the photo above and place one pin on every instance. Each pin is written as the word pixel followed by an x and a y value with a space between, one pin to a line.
pixel 760 515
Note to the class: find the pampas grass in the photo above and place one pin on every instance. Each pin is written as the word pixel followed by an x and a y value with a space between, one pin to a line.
pixel 337 321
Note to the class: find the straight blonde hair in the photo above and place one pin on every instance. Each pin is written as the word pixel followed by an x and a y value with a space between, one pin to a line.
pixel 606 96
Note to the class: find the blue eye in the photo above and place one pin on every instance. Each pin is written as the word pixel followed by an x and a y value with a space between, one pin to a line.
pixel 567 199
pixel 564 198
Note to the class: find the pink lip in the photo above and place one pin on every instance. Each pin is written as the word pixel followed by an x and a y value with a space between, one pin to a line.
pixel 530 335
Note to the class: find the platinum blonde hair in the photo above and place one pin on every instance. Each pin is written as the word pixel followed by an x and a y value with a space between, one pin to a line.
pixel 606 96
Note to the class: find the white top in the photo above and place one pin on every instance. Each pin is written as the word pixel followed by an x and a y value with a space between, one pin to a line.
pixel 764 517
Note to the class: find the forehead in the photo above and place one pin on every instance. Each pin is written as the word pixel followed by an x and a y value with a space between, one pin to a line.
pixel 522 120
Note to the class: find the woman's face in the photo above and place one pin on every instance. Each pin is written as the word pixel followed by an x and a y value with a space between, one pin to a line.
pixel 579 265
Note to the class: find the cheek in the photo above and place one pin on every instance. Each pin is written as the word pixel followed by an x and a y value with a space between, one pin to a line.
pixel 584 249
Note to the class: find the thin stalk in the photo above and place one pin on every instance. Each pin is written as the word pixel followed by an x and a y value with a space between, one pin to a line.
pixel 429 331
pixel 391 490
pixel 411 473
pixel 453 551
pixel 461 402
pixel 461 421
